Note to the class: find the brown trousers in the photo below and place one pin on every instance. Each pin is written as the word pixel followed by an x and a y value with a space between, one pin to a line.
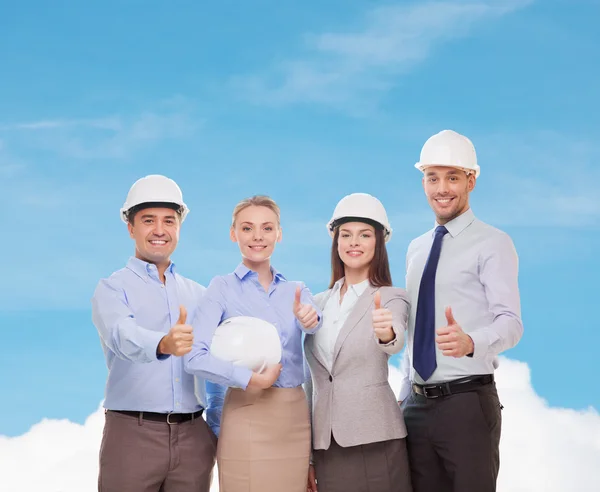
pixel 374 467
pixel 144 456
pixel 453 441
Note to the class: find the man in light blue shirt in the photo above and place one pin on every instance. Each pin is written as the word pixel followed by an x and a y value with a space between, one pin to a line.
pixel 155 438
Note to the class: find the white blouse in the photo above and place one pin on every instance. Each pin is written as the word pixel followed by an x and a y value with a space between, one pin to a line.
pixel 335 315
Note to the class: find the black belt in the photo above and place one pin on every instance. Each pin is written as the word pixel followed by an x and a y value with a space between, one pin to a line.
pixel 169 418
pixel 452 387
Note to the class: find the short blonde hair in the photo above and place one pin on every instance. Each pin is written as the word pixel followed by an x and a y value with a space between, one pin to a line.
pixel 256 201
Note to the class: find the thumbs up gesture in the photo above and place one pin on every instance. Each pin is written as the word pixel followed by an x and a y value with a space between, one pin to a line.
pixel 305 313
pixel 452 340
pixel 180 338
pixel 382 321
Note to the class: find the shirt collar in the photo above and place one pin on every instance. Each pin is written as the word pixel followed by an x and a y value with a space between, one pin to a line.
pixel 338 285
pixel 143 269
pixel 460 223
pixel 242 271
pixel 358 288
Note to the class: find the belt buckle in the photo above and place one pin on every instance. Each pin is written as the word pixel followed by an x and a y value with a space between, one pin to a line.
pixel 169 419
pixel 425 392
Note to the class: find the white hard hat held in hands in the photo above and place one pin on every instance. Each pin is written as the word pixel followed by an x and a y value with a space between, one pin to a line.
pixel 451 149
pixel 154 190
pixel 360 207
pixel 247 341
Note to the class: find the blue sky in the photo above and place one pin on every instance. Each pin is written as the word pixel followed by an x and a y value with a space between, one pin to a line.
pixel 304 101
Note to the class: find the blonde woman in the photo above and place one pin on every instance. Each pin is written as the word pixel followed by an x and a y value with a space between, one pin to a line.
pixel 264 441
pixel 358 430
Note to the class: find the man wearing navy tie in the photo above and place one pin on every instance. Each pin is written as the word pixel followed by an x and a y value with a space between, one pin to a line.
pixel 465 309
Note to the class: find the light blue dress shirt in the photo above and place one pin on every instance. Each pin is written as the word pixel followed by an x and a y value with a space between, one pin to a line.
pixel 241 294
pixel 132 310
pixel 477 276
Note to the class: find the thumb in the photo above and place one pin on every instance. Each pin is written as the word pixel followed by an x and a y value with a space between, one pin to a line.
pixel 450 316
pixel 377 300
pixel 297 297
pixel 182 315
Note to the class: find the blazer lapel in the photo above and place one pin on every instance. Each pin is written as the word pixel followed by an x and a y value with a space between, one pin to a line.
pixel 358 312
pixel 309 346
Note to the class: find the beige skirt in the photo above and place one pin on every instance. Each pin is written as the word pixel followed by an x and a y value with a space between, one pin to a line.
pixel 264 443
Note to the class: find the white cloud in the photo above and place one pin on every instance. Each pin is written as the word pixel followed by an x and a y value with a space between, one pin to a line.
pixel 111 123
pixel 543 448
pixel 55 456
pixel 340 66
pixel 106 137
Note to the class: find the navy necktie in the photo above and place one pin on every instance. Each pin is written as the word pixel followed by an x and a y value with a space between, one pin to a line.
pixel 424 337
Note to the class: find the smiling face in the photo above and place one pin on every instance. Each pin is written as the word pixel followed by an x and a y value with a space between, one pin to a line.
pixel 256 230
pixel 356 245
pixel 156 233
pixel 447 190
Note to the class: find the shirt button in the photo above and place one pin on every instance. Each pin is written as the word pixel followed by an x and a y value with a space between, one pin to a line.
pixel 330 378
pixel 176 380
pixel 177 403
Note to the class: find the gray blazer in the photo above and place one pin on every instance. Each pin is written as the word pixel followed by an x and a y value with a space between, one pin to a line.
pixel 355 401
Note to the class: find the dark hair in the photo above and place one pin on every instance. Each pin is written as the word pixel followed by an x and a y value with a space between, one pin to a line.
pixel 379 269
pixel 136 208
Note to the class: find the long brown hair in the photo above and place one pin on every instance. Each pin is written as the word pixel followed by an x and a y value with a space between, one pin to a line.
pixel 379 269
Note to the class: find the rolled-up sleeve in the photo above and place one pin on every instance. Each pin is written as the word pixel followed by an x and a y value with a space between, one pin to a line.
pixel 118 328
pixel 499 269
pixel 200 361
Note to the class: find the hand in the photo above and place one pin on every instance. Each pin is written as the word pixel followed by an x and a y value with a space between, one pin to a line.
pixel 382 321
pixel 452 340
pixel 266 378
pixel 305 313
pixel 312 481
pixel 180 338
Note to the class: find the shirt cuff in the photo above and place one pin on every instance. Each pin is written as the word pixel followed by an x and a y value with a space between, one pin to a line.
pixel 151 341
pixel 241 376
pixel 390 343
pixel 481 343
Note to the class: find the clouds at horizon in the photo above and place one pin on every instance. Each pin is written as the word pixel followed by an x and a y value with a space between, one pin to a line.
pixel 543 448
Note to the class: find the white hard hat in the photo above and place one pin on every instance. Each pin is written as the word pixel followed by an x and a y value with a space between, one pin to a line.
pixel 246 341
pixel 360 207
pixel 448 148
pixel 156 189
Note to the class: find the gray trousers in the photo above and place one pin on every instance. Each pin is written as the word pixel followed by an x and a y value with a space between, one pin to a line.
pixel 144 456
pixel 453 441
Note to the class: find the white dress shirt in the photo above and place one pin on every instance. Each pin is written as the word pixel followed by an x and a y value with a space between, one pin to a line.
pixel 335 315
pixel 477 277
